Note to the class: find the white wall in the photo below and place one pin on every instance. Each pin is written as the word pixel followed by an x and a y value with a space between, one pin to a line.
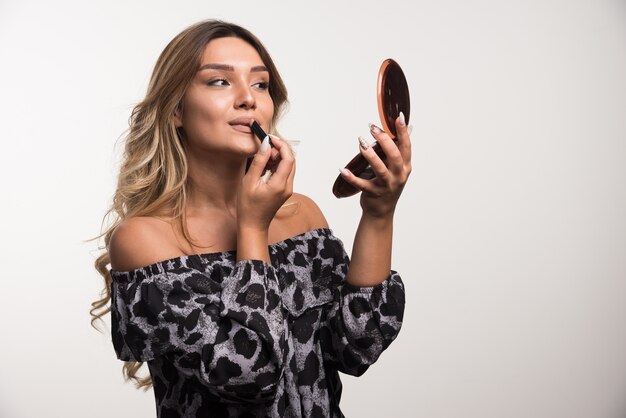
pixel 510 235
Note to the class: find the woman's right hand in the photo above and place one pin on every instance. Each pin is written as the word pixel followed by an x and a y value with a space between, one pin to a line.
pixel 258 201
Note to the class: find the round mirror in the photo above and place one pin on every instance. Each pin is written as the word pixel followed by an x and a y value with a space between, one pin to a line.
pixel 393 98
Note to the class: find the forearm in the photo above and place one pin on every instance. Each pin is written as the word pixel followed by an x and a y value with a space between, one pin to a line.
pixel 252 244
pixel 371 252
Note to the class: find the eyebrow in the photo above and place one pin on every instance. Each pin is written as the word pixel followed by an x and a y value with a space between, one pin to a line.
pixel 226 67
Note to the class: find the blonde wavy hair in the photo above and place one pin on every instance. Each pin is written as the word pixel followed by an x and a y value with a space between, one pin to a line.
pixel 153 170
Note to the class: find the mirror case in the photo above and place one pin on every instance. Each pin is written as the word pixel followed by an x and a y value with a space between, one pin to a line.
pixel 393 98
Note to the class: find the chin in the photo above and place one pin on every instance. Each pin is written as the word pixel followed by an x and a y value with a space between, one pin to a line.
pixel 247 146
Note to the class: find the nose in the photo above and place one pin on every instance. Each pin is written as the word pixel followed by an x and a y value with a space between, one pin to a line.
pixel 245 98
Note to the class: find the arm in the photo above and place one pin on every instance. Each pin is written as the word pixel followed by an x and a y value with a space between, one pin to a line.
pixel 359 323
pixel 218 322
pixel 231 339
pixel 371 253
pixel 258 201
pixel 367 314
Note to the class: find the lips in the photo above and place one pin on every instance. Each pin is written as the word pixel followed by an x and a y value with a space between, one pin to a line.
pixel 242 128
pixel 242 124
pixel 247 121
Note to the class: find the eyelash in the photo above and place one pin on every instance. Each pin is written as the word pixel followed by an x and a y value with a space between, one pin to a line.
pixel 264 85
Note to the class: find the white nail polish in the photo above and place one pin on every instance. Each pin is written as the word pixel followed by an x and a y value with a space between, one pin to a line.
pixel 265 145
pixel 344 171
pixel 266 176
pixel 364 144
pixel 402 121
pixel 375 129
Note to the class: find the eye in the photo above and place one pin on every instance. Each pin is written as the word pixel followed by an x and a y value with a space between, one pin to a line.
pixel 217 82
pixel 264 85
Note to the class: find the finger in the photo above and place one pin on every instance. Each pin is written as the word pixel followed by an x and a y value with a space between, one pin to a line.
pixel 389 147
pixel 286 161
pixel 259 162
pixel 275 153
pixel 404 138
pixel 289 183
pixel 359 183
pixel 378 166
pixel 290 177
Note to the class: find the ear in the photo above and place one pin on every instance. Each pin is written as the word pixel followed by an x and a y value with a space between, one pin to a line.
pixel 177 117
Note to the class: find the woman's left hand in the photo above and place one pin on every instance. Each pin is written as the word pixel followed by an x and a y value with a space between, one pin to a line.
pixel 380 195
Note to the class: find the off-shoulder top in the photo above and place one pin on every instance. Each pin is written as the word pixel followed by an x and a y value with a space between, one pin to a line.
pixel 251 339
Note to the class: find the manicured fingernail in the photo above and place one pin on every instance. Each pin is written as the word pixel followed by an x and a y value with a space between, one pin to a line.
pixel 344 172
pixel 363 143
pixel 265 145
pixel 409 129
pixel 274 137
pixel 375 129
pixel 402 121
pixel 266 176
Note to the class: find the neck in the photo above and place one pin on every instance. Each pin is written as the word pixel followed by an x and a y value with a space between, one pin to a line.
pixel 213 184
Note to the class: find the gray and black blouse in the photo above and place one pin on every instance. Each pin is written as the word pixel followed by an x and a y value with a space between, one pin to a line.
pixel 250 339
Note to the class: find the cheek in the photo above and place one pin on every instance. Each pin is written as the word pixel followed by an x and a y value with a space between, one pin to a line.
pixel 195 108
pixel 268 108
pixel 203 112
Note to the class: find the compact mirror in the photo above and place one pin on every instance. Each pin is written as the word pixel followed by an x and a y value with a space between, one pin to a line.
pixel 393 98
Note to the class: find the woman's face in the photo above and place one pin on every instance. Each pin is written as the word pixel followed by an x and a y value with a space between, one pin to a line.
pixel 229 90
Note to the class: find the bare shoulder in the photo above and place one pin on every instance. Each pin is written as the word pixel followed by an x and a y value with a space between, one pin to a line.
pixel 299 214
pixel 139 242
pixel 310 212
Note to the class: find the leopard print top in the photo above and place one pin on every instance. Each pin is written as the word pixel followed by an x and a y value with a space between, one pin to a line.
pixel 248 339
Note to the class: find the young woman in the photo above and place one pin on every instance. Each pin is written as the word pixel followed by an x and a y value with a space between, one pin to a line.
pixel 230 286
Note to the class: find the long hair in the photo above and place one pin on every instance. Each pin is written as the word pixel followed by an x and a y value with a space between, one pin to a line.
pixel 153 171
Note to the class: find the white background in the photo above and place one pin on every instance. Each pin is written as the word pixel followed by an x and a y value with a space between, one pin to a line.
pixel 510 235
